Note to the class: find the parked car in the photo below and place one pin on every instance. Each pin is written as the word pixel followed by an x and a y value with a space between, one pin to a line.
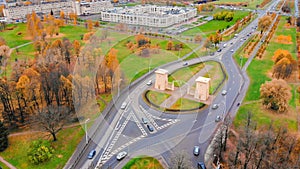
pixel 196 150
pixel 218 118
pixel 92 154
pixel 215 106
pixel 145 121
pixel 150 128
pixel 201 165
pixel 121 155
pixel 185 64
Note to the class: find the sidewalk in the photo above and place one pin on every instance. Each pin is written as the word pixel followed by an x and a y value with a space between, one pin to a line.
pixel 7 163
pixel 180 92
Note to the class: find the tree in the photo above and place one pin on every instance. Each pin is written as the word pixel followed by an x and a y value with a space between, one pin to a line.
pixel 284 64
pixel 198 38
pixel 264 23
pixel 76 45
pixel 179 160
pixel 97 24
pixel 40 151
pixel 276 95
pixel 169 45
pixel 52 119
pixel 3 137
pixel 90 25
pixel 62 15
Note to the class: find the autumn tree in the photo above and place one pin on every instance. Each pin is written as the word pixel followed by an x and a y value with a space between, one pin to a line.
pixel 90 25
pixel 62 15
pixel 284 64
pixel 97 24
pixel 76 45
pixel 4 54
pixel 3 137
pixel 198 38
pixel 2 41
pixel 276 95
pixel 264 23
pixel 169 45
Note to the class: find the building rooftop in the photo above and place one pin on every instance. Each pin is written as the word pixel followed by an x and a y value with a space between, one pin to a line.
pixel 202 79
pixel 161 71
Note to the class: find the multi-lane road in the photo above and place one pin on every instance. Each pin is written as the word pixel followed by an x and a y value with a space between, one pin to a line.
pixel 123 129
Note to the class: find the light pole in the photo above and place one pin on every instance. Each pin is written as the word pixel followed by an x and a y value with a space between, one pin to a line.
pixel 85 128
pixel 119 87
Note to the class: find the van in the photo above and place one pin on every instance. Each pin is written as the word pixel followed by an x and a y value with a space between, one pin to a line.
pixel 123 106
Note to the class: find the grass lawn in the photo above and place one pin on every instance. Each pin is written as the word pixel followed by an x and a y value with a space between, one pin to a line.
pixel 68 139
pixel 252 3
pixel 216 75
pixel 134 66
pixel 143 163
pixel 156 97
pixel 259 72
pixel 3 166
pixel 212 26
pixel 11 37
pixel 182 75
pixel 184 104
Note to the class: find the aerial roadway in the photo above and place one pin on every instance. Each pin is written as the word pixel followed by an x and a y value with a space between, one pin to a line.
pixel 163 134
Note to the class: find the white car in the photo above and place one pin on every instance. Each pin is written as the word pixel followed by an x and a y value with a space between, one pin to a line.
pixel 215 106
pixel 121 155
pixel 231 50
pixel 224 92
pixel 149 83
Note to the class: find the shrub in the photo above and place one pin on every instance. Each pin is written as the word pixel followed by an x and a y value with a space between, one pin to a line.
pixel 40 151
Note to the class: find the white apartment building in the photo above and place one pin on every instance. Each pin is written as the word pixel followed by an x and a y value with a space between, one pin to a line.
pixel 11 11
pixel 149 15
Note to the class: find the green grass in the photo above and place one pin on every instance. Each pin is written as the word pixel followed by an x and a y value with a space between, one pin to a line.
pixel 182 75
pixel 142 163
pixel 252 3
pixel 73 32
pixel 68 139
pixel 156 97
pixel 184 104
pixel 212 26
pixel 216 75
pixel 264 117
pixel 11 37
pixel 3 166
pixel 259 71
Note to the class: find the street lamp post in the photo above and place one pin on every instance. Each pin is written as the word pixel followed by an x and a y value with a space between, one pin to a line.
pixel 119 87
pixel 85 128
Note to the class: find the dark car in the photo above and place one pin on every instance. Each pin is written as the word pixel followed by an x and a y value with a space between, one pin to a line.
pixel 219 50
pixel 196 150
pixel 92 154
pixel 201 165
pixel 150 128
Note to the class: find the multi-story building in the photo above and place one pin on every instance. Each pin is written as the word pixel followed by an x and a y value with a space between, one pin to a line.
pixel 149 15
pixel 13 11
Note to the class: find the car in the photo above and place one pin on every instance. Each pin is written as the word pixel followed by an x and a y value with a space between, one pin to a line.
pixel 215 106
pixel 219 50
pixel 218 118
pixel 196 150
pixel 231 50
pixel 224 92
pixel 231 43
pixel 121 155
pixel 201 165
pixel 224 46
pixel 212 53
pixel 185 64
pixel 238 104
pixel 123 106
pixel 149 83
pixel 92 154
pixel 145 121
pixel 150 128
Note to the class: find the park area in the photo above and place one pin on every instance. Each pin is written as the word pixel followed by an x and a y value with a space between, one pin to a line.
pixel 260 71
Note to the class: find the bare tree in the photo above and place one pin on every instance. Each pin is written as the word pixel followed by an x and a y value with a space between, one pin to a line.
pixel 52 119
pixel 179 160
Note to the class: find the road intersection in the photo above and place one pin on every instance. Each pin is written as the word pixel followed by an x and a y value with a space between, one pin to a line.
pixel 125 131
